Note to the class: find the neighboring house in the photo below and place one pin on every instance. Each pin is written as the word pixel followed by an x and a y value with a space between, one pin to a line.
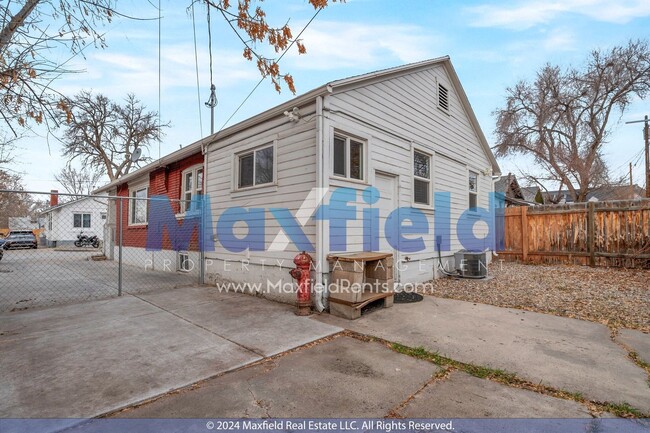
pixel 178 176
pixel 515 195
pixel 602 193
pixel 408 131
pixel 616 192
pixel 63 222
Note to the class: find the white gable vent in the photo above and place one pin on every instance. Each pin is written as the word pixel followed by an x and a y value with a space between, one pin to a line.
pixel 443 97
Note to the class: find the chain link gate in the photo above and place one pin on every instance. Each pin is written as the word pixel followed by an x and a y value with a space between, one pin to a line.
pixel 60 249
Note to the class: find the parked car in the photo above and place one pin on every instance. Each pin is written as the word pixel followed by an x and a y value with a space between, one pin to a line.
pixel 20 240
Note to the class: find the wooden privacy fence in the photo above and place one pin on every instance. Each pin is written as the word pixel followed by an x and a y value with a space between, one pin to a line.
pixel 613 233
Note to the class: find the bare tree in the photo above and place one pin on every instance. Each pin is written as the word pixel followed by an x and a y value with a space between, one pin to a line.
pixel 103 135
pixel 13 204
pixel 78 182
pixel 30 32
pixel 564 117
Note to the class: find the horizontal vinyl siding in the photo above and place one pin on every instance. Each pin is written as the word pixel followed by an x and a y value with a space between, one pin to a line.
pixel 295 161
pixel 398 114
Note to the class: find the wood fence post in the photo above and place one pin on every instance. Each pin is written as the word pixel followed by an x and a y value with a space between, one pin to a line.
pixel 591 233
pixel 524 233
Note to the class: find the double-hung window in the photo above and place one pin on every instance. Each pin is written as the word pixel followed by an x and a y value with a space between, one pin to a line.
pixel 473 190
pixel 139 206
pixel 421 178
pixel 81 220
pixel 192 185
pixel 348 158
pixel 255 167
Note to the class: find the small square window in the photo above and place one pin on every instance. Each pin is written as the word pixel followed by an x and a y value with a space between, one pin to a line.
pixel 348 158
pixel 81 220
pixel 256 168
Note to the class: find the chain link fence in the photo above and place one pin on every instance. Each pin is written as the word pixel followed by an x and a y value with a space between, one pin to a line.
pixel 59 249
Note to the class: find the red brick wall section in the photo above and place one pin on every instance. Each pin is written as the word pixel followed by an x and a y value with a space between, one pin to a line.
pixel 162 181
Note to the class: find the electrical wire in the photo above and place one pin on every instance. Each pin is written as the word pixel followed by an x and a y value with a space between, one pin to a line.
pixel 196 67
pixel 263 78
pixel 159 76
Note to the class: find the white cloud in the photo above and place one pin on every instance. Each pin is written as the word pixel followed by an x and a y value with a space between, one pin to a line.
pixel 332 45
pixel 527 14
pixel 115 73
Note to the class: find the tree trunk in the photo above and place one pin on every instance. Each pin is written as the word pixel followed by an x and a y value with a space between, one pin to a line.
pixel 16 21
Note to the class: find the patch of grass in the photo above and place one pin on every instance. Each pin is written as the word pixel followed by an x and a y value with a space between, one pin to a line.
pixel 475 370
pixel 640 362
pixel 623 410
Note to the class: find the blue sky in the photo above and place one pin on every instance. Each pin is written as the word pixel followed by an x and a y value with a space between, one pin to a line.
pixel 492 45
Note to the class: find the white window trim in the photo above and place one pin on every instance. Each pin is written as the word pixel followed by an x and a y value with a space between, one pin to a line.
pixel 413 177
pixel 364 157
pixel 82 219
pixel 194 170
pixel 235 168
pixel 179 268
pixel 131 203
pixel 476 193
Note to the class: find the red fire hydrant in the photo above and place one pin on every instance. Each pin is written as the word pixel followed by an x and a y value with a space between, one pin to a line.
pixel 301 274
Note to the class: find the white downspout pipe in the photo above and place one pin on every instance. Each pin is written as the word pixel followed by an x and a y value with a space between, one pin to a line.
pixel 203 270
pixel 320 256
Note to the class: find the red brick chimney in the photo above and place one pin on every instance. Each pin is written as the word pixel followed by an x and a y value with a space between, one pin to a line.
pixel 54 198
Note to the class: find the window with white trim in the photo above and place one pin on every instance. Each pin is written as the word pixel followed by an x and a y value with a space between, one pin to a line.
pixel 473 190
pixel 348 157
pixel 421 178
pixel 81 220
pixel 255 167
pixel 191 186
pixel 139 206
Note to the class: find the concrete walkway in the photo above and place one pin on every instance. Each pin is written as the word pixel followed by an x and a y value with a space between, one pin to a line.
pixel 566 354
pixel 88 359
pixel 349 378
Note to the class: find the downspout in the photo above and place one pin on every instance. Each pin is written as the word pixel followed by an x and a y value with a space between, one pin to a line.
pixel 318 296
pixel 202 270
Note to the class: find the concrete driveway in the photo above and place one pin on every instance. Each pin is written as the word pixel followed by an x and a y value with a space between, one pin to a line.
pixel 44 277
pixel 567 354
pixel 84 360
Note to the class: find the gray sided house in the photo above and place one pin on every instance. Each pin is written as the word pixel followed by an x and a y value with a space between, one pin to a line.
pixel 408 131
pixel 516 195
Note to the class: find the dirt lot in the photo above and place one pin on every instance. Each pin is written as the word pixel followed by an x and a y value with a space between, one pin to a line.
pixel 615 297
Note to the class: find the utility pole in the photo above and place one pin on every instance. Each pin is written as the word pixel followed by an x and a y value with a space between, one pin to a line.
pixel 646 137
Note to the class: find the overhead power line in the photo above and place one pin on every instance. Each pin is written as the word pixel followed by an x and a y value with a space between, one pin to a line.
pixel 278 61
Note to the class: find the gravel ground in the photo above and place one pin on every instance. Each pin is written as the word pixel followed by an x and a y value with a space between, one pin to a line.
pixel 614 297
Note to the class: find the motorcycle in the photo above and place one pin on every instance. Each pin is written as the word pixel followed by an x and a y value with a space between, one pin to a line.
pixel 85 241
